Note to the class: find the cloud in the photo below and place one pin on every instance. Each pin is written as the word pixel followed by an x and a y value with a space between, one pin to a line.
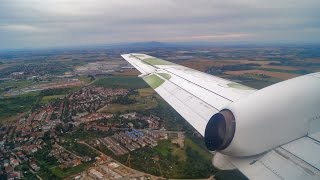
pixel 208 37
pixel 73 22
pixel 20 28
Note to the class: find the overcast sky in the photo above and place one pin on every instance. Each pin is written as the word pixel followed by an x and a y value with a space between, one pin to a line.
pixel 52 23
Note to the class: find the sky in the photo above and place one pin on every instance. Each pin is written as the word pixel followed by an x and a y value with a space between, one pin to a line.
pixel 60 23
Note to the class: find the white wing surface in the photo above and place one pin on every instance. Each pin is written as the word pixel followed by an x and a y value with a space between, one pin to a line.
pixel 195 95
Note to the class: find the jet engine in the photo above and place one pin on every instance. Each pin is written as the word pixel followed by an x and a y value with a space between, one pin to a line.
pixel 267 118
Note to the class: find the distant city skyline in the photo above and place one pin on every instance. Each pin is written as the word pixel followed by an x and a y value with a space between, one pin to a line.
pixel 59 23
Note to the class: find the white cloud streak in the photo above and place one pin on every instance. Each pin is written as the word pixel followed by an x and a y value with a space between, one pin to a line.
pixel 20 28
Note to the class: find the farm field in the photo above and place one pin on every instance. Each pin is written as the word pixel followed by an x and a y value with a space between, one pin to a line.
pixel 130 82
pixel 141 104
pixel 48 99
pixel 280 75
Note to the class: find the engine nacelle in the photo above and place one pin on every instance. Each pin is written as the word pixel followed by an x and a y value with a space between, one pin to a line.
pixel 266 119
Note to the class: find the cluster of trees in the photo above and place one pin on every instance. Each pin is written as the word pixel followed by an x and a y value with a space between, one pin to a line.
pixel 166 164
pixel 129 82
pixel 170 118
pixel 13 105
pixel 31 101
pixel 257 81
pixel 195 166
pixel 81 133
pixel 45 162
pixel 66 116
pixel 7 71
pixel 26 172
pixel 80 149
pixel 58 91
pixel 36 68
pixel 236 67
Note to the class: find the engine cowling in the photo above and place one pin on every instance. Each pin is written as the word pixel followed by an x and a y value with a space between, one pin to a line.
pixel 266 119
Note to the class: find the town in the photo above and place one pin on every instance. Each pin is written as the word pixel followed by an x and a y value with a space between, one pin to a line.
pixel 45 127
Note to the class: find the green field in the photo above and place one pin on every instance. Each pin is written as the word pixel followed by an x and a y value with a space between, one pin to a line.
pixel 142 104
pixel 171 161
pixel 12 106
pixel 202 152
pixel 48 99
pixel 85 79
pixel 17 83
pixel 166 147
pixel 299 71
pixel 49 168
pixel 254 80
pixel 130 82
pixel 142 101
pixel 63 173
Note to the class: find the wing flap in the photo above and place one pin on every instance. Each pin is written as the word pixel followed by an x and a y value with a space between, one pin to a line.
pixel 298 159
pixel 306 149
pixel 191 108
pixel 225 88
pixel 204 94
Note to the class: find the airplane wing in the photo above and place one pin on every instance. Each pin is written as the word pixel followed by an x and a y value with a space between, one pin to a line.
pixel 197 96
pixel 298 159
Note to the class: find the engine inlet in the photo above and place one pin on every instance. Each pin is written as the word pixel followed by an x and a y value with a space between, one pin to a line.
pixel 220 130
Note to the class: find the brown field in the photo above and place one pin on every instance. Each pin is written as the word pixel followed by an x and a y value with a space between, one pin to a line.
pixel 12 119
pixel 256 62
pixel 203 64
pixel 61 85
pixel 4 66
pixel 144 92
pixel 312 60
pixel 279 75
pixel 289 68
